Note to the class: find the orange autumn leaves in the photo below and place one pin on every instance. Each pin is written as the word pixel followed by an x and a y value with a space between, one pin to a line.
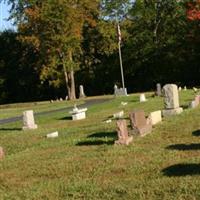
pixel 193 11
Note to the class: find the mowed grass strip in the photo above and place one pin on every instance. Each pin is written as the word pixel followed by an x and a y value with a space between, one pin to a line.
pixel 82 162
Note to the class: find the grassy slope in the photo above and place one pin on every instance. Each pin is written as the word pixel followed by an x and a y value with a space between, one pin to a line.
pixel 12 110
pixel 83 164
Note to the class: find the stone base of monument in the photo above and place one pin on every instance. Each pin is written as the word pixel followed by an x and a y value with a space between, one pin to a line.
pixel 120 92
pixel 170 112
pixel 124 141
pixel 78 114
pixel 142 131
pixel 34 126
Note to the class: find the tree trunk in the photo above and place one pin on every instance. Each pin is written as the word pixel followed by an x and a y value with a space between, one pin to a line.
pixel 69 79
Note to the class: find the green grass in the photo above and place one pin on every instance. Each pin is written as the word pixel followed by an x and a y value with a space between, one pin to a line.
pixel 11 110
pixel 82 162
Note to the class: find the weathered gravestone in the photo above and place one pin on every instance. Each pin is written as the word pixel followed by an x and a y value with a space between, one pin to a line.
pixel 122 133
pixel 139 123
pixel 81 92
pixel 171 100
pixel 155 117
pixel 158 89
pixel 2 154
pixel 142 98
pixel 28 120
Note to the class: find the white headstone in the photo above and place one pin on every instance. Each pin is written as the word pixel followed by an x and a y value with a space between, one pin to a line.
pixel 179 88
pixel 81 92
pixel 52 135
pixel 78 114
pixel 185 88
pixel 158 89
pixel 118 115
pixel 28 120
pixel 155 117
pixel 142 98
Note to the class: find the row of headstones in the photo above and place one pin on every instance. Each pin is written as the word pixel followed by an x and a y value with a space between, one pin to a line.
pixel 81 95
pixel 29 122
pixel 143 126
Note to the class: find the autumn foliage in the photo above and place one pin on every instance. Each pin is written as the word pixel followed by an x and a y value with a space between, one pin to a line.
pixel 193 11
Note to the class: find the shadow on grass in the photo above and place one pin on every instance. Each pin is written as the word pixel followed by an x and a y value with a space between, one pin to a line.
pixel 10 129
pixel 185 106
pixel 184 147
pixel 95 142
pixel 182 170
pixel 103 135
pixel 66 118
pixel 196 133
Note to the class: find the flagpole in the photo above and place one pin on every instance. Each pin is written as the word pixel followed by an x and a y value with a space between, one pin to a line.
pixel 120 55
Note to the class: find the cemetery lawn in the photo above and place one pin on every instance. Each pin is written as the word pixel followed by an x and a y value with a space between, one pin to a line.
pixel 83 163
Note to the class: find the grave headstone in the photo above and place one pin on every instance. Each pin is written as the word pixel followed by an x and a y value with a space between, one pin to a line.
pixel 171 100
pixel 78 114
pixel 28 120
pixel 118 115
pixel 2 154
pixel 192 104
pixel 122 133
pixel 81 92
pixel 155 117
pixel 139 123
pixel 158 89
pixel 195 89
pixel 185 88
pixel 120 91
pixel 52 135
pixel 142 98
pixel 180 88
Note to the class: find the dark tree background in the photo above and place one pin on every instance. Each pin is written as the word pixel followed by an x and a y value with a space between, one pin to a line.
pixel 160 43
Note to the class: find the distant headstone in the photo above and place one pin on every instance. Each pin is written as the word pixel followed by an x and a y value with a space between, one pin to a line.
pixel 139 123
pixel 61 99
pixel 155 117
pixel 66 98
pixel 52 135
pixel 192 104
pixel 122 133
pixel 142 98
pixel 118 115
pixel 2 154
pixel 28 120
pixel 120 91
pixel 124 103
pixel 195 89
pixel 171 100
pixel 179 88
pixel 81 92
pixel 158 89
pixel 185 88
pixel 78 114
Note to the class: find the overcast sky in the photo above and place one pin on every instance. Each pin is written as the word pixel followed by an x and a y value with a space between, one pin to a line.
pixel 4 24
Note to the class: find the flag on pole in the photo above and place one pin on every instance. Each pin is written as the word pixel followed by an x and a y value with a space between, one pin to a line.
pixel 119 33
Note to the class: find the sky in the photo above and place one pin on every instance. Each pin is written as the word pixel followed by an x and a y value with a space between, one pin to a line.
pixel 4 24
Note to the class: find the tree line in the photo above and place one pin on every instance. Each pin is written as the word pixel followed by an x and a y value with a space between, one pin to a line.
pixel 60 44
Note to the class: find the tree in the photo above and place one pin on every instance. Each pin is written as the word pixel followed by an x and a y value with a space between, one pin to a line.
pixel 54 28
